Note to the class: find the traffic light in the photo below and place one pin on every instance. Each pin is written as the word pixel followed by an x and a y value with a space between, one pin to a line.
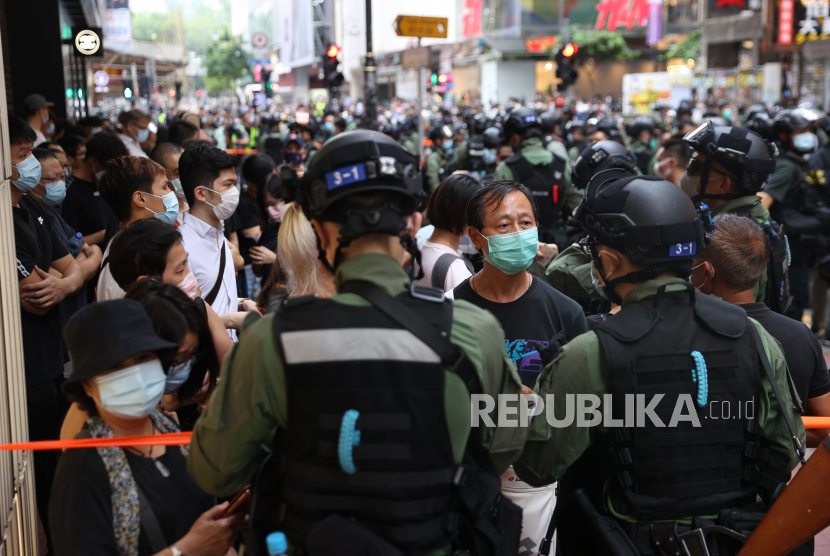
pixel 128 93
pixel 178 90
pixel 199 93
pixel 433 79
pixel 144 86
pixel 565 70
pixel 331 75
pixel 266 80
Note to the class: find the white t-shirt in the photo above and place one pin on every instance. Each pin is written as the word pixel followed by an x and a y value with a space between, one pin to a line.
pixel 457 273
pixel 107 288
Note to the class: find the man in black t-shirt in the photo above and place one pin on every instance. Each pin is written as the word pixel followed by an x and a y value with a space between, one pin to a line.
pixel 502 221
pixel 83 208
pixel 46 274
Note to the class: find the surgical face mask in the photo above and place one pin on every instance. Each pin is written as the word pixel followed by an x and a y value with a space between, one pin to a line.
pixel 704 281
pixel 46 119
pixel 143 135
pixel 329 126
pixel 177 187
pixel 51 129
pixel 514 252
pixel 226 208
pixel 805 143
pixel 293 159
pixel 727 114
pixel 661 169
pixel 134 392
pixel 55 193
pixel 488 156
pixel 447 144
pixel 95 130
pixel 178 375
pixel 29 174
pixel 275 211
pixel 171 207
pixel 653 143
pixel 189 285
pixel 598 282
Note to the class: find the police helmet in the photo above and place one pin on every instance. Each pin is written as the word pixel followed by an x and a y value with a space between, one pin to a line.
pixel 549 121
pixel 758 108
pixel 520 121
pixel 439 133
pixel 600 156
pixel 760 123
pixel 740 151
pixel 492 137
pixel 793 119
pixel 647 218
pixel 642 123
pixel 479 123
pixel 576 124
pixel 719 121
pixel 392 129
pixel 609 127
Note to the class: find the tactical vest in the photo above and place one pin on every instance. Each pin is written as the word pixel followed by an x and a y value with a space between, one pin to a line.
pixel 392 469
pixel 547 183
pixel 684 471
pixel 475 151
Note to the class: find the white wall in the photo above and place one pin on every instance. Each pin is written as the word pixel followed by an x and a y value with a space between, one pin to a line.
pixel 489 82
pixel 516 79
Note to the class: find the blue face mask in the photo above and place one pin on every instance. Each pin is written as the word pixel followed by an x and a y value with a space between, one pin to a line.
pixel 294 159
pixel 488 156
pixel 177 187
pixel 29 174
pixel 447 144
pixel 512 253
pixel 805 143
pixel 55 193
pixel 329 126
pixel 171 207
pixel 51 129
pixel 653 143
pixel 143 135
pixel 134 392
pixel 177 376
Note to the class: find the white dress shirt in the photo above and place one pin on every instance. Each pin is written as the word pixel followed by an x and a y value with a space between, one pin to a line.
pixel 132 145
pixel 203 243
pixel 107 288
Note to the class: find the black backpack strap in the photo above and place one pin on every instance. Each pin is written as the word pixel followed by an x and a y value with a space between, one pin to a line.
pixel 521 167
pixel 442 267
pixel 799 449
pixel 211 297
pixel 452 356
pixel 149 522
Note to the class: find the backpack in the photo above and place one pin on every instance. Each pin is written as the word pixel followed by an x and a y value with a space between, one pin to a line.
pixel 547 183
pixel 442 267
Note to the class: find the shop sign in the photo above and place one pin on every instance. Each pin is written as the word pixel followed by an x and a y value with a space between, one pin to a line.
pixel 540 44
pixel 816 22
pixel 785 21
pixel 622 13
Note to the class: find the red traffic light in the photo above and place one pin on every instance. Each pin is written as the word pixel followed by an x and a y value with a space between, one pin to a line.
pixel 199 93
pixel 569 50
pixel 333 51
pixel 560 101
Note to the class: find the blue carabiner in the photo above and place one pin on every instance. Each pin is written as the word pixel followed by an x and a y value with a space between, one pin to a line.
pixel 349 438
pixel 700 375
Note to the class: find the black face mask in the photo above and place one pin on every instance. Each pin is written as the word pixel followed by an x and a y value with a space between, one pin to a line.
pixel 293 159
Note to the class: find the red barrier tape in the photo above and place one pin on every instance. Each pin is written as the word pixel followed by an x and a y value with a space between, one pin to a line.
pixel 241 151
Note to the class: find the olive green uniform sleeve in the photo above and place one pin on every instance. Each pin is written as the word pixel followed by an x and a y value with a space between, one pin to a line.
pixel 459 157
pixel 570 273
pixel 309 157
pixel 503 172
pixel 573 154
pixel 433 170
pixel 783 180
pixel 245 409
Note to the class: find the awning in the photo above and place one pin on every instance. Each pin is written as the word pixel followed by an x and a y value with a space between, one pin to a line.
pixel 168 57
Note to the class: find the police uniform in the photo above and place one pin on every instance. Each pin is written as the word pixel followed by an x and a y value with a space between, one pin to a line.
pixel 436 161
pixel 679 467
pixel 644 154
pixel 373 423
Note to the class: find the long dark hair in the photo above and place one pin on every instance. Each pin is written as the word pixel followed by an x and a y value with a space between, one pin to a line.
pixel 174 314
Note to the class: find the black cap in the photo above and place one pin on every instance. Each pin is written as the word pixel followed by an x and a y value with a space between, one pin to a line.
pixel 103 334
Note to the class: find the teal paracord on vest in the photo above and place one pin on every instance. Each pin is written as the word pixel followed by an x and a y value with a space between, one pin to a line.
pixel 789 257
pixel 349 438
pixel 701 376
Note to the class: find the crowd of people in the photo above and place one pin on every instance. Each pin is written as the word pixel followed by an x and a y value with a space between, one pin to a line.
pixel 322 305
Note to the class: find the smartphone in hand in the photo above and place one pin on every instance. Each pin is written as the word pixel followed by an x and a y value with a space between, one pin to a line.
pixel 239 503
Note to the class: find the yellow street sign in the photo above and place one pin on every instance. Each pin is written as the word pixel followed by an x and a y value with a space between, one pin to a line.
pixel 417 26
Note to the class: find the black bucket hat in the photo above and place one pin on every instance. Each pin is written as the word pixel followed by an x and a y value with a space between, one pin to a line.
pixel 103 334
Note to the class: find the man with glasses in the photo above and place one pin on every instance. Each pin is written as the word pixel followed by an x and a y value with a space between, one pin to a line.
pixel 730 165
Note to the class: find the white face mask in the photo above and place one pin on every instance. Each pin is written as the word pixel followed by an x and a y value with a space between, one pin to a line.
pixel 133 392
pixel 662 169
pixel 226 208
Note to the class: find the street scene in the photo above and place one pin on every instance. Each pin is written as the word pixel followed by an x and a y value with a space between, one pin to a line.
pixel 454 278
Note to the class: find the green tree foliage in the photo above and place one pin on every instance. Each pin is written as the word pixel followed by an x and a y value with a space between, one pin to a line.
pixel 599 45
pixel 226 60
pixel 688 48
pixel 201 22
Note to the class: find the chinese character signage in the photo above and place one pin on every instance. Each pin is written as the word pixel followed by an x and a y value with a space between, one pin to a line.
pixel 785 22
pixel 623 13
pixel 816 22
pixel 655 22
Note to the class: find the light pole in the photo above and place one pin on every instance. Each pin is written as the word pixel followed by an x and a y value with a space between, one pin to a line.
pixel 370 71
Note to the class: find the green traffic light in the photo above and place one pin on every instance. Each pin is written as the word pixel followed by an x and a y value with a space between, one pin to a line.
pixel 128 92
pixel 433 78
pixel 80 93
pixel 69 93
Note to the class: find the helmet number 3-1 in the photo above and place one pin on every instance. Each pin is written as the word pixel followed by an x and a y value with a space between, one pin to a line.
pixel 345 176
pixel 683 249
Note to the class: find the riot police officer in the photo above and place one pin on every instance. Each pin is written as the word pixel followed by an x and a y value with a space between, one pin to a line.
pixel 642 133
pixel 540 171
pixel 687 356
pixel 551 124
pixel 730 165
pixel 468 155
pixel 492 138
pixel 438 165
pixel 374 447
pixel 606 129
pixel 576 138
